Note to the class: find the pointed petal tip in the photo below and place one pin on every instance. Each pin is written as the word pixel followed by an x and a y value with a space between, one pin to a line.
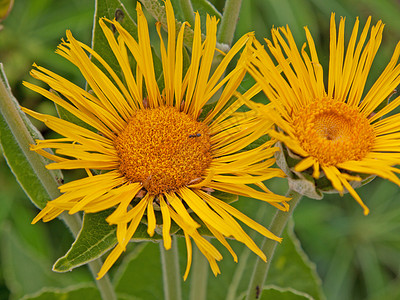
pixel 366 211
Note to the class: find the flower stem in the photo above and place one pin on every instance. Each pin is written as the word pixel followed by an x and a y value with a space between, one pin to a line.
pixel 170 267
pixel 104 284
pixel 187 10
pixel 229 21
pixel 243 260
pixel 18 129
pixel 198 282
pixel 268 247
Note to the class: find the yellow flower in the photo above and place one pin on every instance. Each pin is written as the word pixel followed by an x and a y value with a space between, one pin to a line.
pixel 338 130
pixel 155 152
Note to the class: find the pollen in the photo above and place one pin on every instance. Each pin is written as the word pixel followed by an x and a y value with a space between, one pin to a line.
pixel 164 149
pixel 333 132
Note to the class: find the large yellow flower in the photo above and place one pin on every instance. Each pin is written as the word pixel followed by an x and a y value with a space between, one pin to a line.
pixel 154 151
pixel 338 130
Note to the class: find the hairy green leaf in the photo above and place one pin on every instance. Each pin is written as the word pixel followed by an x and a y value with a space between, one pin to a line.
pixel 94 239
pixel 16 133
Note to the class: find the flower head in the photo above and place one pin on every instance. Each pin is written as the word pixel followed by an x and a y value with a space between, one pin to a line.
pixel 154 151
pixel 338 130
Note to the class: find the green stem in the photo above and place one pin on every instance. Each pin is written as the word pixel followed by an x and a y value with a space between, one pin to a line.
pixel 104 284
pixel 17 124
pixel 187 9
pixel 229 21
pixel 199 276
pixel 171 271
pixel 244 256
pixel 268 247
pixel 16 127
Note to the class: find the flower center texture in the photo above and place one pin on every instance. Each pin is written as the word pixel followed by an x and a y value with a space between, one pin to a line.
pixel 164 149
pixel 333 132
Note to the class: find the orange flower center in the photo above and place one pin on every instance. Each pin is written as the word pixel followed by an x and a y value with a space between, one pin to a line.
pixel 164 149
pixel 333 132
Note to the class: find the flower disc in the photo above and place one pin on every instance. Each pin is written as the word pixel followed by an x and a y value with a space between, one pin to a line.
pixel 333 132
pixel 164 149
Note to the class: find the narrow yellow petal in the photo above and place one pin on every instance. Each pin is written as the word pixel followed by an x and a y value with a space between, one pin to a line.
pixel 166 224
pixel 151 219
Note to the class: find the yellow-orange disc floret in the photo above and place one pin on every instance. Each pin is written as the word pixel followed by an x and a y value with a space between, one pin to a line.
pixel 333 132
pixel 335 126
pixel 154 162
pixel 164 149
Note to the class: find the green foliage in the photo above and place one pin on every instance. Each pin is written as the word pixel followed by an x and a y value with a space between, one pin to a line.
pixel 87 292
pixel 28 269
pixel 15 259
pixel 32 31
pixel 283 294
pixel 205 7
pixel 291 268
pixel 140 273
pixel 356 256
pixel 95 238
pixel 111 9
pixel 66 115
pixel 16 133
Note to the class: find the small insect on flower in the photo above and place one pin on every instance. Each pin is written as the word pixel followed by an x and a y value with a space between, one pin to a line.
pixel 140 139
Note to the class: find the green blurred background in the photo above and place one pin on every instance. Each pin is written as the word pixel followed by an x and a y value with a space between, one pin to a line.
pixel 357 257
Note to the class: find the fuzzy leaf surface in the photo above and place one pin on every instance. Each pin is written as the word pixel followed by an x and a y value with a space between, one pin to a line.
pixel 16 135
pixel 94 239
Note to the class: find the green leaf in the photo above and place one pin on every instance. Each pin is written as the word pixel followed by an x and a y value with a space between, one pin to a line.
pixel 110 9
pixel 16 133
pixel 274 292
pixel 115 9
pixel 183 11
pixel 94 239
pixel 78 292
pixel 158 12
pixel 291 267
pixel 140 272
pixel 206 7
pixel 25 271
pixel 70 117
